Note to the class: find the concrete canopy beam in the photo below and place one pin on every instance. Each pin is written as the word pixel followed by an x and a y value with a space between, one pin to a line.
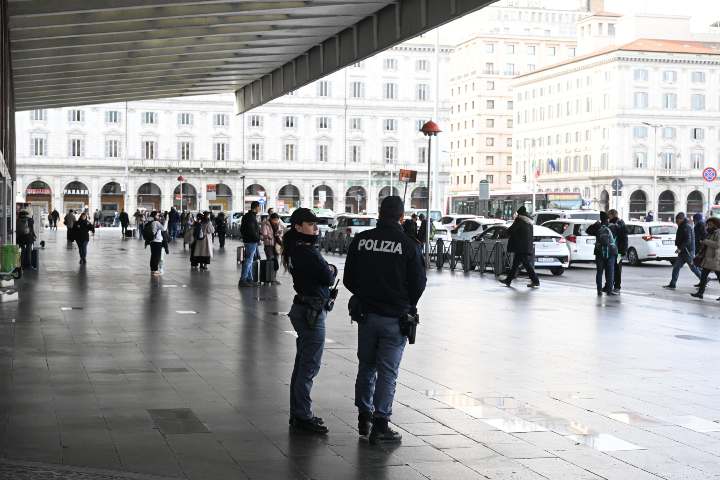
pixel 65 52
pixel 389 26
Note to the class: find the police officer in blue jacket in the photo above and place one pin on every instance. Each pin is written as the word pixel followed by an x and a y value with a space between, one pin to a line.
pixel 312 279
pixel 386 275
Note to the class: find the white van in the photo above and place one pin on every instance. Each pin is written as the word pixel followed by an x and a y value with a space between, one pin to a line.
pixel 542 216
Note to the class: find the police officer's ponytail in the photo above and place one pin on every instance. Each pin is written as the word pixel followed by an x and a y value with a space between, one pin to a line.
pixel 289 243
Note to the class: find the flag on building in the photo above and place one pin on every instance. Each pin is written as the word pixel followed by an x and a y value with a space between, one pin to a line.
pixel 551 165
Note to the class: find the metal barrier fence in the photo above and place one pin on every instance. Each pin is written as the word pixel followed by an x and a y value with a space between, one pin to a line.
pixel 467 255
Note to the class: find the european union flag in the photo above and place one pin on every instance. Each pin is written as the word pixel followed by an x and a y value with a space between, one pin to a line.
pixel 551 164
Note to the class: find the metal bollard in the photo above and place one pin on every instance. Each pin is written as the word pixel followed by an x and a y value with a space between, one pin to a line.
pixel 499 260
pixel 466 255
pixel 439 253
pixel 453 253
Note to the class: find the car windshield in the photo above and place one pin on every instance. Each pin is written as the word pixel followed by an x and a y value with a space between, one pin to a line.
pixel 663 230
pixel 544 217
pixel 446 220
pixel 237 215
pixel 362 222
pixel 324 221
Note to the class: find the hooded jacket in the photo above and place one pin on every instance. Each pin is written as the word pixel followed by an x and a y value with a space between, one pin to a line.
pixel 699 229
pixel 520 236
pixel 685 237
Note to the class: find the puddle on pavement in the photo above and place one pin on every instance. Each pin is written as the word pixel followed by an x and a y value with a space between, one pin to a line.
pixel 514 425
pixel 604 442
pixel 632 418
pixel 695 424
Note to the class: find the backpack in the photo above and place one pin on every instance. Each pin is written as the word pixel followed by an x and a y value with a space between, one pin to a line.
pixel 199 233
pixel 24 227
pixel 148 233
pixel 606 241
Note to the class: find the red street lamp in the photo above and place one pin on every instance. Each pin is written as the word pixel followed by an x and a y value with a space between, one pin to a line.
pixel 180 179
pixel 429 129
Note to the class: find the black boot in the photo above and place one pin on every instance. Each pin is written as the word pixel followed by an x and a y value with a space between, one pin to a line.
pixel 313 425
pixel 381 433
pixel 364 423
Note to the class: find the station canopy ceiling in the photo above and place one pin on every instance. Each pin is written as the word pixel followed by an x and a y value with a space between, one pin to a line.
pixel 75 52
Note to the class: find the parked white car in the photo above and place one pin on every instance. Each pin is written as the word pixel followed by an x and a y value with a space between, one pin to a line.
pixel 580 245
pixel 550 249
pixel 542 216
pixel 338 236
pixel 469 229
pixel 452 221
pixel 650 241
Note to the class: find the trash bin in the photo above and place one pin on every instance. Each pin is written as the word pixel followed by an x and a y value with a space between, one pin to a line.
pixel 9 258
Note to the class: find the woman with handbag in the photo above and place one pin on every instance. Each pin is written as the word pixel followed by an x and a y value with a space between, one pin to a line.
pixel 271 232
pixel 709 256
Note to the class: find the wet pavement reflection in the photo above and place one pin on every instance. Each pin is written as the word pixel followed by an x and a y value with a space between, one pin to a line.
pixel 185 376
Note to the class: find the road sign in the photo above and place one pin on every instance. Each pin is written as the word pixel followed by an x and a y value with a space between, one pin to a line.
pixel 261 200
pixel 407 176
pixel 710 174
pixel 617 184
pixel 484 190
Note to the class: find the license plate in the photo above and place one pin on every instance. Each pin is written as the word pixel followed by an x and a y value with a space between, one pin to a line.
pixel 590 241
pixel 545 259
pixel 667 242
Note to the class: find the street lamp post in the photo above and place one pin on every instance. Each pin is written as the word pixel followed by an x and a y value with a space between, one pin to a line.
pixel 430 129
pixel 654 126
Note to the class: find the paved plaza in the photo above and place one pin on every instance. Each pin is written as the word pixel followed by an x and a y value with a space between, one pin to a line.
pixel 107 373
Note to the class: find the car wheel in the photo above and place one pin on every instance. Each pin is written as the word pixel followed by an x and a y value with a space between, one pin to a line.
pixel 632 257
pixel 557 271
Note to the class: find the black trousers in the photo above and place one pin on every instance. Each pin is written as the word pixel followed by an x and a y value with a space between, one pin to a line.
pixel 526 260
pixel 705 277
pixel 221 236
pixel 155 255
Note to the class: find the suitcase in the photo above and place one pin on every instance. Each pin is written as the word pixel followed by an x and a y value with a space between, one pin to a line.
pixel 129 233
pixel 26 258
pixel 267 270
pixel 34 258
pixel 240 254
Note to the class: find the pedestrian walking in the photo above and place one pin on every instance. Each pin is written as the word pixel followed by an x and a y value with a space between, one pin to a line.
pixel 201 252
pixel 606 252
pixel 173 223
pixel 25 236
pixel 188 231
pixel 410 227
pixel 708 256
pixel 81 234
pixel 699 230
pixel 312 279
pixel 520 244
pixel 152 233
pixel 221 228
pixel 54 218
pixel 124 222
pixel 685 249
pixel 422 231
pixel 386 275
pixel 619 229
pixel 271 233
pixel 69 222
pixel 649 217
pixel 250 232
pixel 137 216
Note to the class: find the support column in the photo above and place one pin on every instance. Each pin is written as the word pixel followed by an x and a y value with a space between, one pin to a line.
pixel 4 230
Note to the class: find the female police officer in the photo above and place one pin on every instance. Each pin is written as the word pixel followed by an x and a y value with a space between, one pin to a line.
pixel 312 279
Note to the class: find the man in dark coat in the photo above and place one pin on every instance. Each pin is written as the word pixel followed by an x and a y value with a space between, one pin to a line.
pixel 520 243
pixel 620 231
pixel 124 222
pixel 250 232
pixel 685 248
pixel 699 229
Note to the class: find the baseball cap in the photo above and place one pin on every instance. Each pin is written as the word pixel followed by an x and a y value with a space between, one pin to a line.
pixel 302 215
